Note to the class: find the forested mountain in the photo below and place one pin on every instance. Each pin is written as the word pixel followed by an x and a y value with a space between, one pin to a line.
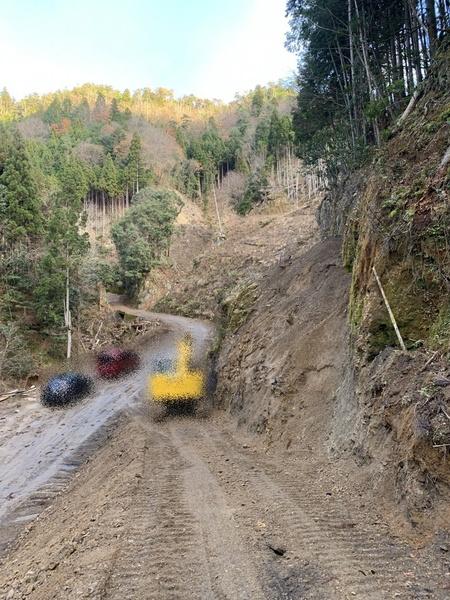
pixel 71 165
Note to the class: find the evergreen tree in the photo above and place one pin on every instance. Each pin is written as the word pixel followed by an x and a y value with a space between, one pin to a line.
pixel 54 112
pixel 115 114
pixel 100 112
pixel 5 144
pixel 135 173
pixel 109 180
pixel 56 294
pixel 210 151
pixel 66 108
pixel 261 139
pixel 257 101
pixel 126 97
pixel 20 206
pixel 360 60
pixel 112 141
pixel 280 134
pixel 74 184
pixel 6 105
pixel 143 235
pixel 83 112
pixel 255 191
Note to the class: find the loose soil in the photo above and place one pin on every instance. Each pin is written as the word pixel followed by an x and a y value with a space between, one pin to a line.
pixel 188 509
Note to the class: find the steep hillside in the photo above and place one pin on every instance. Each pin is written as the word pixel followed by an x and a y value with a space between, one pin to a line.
pixel 395 215
pixel 309 358
pixel 222 279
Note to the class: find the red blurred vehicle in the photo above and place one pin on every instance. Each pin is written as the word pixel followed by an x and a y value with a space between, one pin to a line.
pixel 115 362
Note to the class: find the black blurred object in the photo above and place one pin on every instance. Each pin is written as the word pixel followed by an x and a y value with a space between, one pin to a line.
pixel 115 362
pixel 66 388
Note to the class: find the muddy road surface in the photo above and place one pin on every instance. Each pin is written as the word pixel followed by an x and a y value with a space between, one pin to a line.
pixel 39 447
pixel 101 502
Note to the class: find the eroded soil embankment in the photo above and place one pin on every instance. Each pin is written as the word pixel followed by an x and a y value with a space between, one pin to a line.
pixel 279 372
pixel 289 374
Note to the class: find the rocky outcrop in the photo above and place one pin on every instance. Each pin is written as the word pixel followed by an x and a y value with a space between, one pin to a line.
pixel 337 204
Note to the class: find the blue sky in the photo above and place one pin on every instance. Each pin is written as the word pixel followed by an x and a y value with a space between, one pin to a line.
pixel 209 48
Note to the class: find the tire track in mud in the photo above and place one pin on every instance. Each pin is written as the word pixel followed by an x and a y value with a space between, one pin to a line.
pixel 33 505
pixel 181 540
pixel 186 511
pixel 280 577
pixel 159 557
pixel 338 555
pixel 233 566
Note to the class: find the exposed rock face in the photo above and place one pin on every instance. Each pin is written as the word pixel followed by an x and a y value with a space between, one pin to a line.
pixel 337 204
pixel 395 215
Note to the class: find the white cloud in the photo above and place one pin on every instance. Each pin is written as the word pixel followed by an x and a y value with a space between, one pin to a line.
pixel 252 54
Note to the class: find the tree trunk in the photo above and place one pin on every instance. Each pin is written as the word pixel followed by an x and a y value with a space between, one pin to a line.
pixel 443 15
pixel 432 25
pixel 408 54
pixel 352 60
pixel 217 212
pixel 370 83
pixel 344 86
pixel 409 108
pixel 67 315
pixel 416 48
pixel 103 213
pixel 423 30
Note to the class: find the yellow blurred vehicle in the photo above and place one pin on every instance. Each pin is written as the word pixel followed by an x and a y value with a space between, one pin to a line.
pixel 181 384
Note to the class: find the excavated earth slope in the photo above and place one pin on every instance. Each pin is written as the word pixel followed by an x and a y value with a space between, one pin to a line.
pixel 204 509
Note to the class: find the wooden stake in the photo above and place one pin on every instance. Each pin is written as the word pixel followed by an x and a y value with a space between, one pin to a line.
pixel 68 316
pixel 429 361
pixel 391 314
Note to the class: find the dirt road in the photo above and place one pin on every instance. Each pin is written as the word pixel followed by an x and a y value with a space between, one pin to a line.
pixel 40 448
pixel 188 509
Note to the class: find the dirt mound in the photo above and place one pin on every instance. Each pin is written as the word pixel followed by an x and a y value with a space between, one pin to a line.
pixel 280 370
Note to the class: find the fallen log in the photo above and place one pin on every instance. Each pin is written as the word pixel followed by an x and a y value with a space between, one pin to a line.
pixel 16 392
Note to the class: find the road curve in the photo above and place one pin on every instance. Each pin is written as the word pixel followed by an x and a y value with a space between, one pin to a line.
pixel 40 447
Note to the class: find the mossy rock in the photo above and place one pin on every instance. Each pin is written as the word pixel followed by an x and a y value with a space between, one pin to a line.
pixel 350 244
pixel 238 305
pixel 440 330
pixel 415 303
